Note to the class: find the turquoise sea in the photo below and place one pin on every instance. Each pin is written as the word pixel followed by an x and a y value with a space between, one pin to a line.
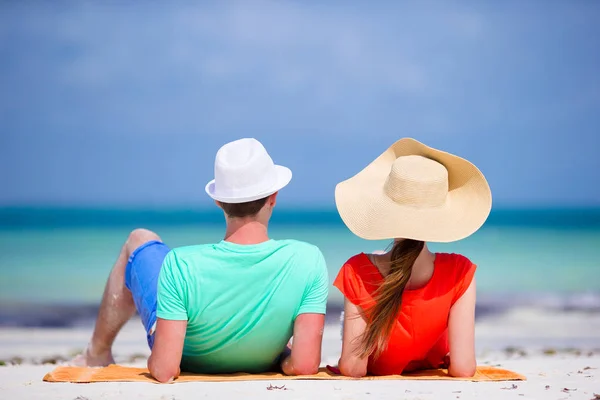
pixel 61 257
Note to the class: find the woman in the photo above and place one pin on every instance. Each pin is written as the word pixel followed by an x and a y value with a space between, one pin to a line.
pixel 409 308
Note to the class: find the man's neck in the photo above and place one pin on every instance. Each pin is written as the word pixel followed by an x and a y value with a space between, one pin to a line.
pixel 246 232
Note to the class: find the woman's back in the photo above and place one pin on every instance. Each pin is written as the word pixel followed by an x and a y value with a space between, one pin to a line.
pixel 419 334
pixel 411 194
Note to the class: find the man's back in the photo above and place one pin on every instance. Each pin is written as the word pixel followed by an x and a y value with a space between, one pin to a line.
pixel 226 307
pixel 240 301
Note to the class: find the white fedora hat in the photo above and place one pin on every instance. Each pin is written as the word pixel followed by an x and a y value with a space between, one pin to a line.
pixel 413 191
pixel 244 172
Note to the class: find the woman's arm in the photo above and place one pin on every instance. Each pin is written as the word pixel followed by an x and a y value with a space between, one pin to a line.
pixel 350 363
pixel 461 334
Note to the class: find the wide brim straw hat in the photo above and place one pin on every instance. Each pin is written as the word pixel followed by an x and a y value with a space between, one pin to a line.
pixel 413 191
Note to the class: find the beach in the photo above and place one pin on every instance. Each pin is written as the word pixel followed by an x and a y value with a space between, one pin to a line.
pixel 558 352
pixel 555 377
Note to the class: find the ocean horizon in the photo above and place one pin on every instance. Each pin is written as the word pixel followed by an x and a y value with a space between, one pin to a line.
pixel 54 261
pixel 71 216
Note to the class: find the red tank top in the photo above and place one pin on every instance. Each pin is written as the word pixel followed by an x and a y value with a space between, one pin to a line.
pixel 419 338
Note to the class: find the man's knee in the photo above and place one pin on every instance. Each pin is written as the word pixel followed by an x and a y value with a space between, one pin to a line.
pixel 138 237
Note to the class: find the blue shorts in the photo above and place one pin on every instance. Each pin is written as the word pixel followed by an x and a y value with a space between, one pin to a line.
pixel 141 278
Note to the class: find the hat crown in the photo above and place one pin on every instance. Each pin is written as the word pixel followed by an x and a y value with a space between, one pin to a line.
pixel 417 181
pixel 243 166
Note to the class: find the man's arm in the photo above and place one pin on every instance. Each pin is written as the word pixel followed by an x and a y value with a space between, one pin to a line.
pixel 164 361
pixel 306 346
pixel 171 324
pixel 309 323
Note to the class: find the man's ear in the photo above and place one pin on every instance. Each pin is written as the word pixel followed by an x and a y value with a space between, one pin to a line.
pixel 218 203
pixel 273 199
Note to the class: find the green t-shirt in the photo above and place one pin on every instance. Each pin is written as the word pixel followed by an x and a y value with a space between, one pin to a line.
pixel 240 301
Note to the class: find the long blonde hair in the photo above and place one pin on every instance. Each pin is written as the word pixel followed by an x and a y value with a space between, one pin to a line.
pixel 388 298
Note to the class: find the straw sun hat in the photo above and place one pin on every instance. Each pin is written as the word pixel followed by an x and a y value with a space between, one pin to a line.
pixel 413 191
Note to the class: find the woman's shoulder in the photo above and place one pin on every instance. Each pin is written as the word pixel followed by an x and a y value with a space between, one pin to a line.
pixel 357 260
pixel 452 260
pixel 357 277
pixel 355 265
pixel 453 264
pixel 457 271
pixel 361 265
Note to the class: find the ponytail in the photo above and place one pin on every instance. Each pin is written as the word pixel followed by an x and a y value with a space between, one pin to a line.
pixel 388 297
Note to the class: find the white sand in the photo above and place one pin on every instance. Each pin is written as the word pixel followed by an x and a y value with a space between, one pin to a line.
pixel 557 372
pixel 515 341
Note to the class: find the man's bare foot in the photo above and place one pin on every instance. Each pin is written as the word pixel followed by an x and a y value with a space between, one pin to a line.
pixel 89 359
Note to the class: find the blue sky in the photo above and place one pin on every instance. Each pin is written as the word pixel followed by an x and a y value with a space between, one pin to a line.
pixel 106 105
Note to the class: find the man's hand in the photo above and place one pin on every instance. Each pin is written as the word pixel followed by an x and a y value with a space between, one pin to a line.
pixel 167 350
pixel 305 357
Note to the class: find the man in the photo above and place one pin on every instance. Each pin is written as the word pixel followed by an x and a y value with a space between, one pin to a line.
pixel 225 307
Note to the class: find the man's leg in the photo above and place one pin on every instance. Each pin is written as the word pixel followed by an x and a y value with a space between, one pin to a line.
pixel 117 305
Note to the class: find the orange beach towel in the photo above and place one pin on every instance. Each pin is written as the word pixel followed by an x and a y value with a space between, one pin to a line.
pixel 118 373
